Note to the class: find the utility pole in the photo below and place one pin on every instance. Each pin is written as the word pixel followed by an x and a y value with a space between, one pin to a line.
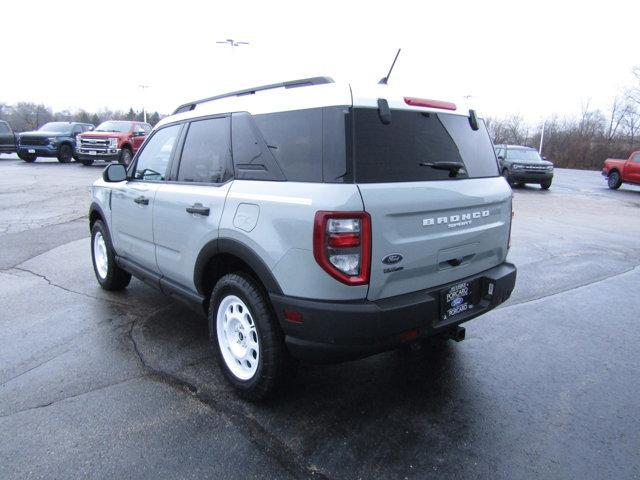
pixel 144 110
pixel 542 137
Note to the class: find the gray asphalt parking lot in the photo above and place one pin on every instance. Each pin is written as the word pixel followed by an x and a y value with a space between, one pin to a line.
pixel 102 385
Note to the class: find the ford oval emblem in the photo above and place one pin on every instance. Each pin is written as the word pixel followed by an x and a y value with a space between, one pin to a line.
pixel 392 259
pixel 457 302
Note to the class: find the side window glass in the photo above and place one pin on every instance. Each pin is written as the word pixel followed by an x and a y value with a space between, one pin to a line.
pixel 636 158
pixel 153 160
pixel 295 139
pixel 76 130
pixel 252 157
pixel 4 128
pixel 146 128
pixel 206 154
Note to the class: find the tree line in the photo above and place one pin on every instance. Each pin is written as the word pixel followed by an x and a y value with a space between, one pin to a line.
pixel 583 142
pixel 25 116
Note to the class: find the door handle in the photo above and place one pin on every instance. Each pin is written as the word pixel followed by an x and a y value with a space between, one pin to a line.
pixel 141 200
pixel 198 209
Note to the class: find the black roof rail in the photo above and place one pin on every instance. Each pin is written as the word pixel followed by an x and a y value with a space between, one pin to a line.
pixel 303 82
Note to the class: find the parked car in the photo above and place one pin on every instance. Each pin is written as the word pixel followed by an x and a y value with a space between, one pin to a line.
pixel 112 141
pixel 521 165
pixel 53 139
pixel 618 171
pixel 322 223
pixel 7 138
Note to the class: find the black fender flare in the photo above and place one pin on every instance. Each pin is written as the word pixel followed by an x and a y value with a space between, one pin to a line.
pixel 237 249
pixel 95 207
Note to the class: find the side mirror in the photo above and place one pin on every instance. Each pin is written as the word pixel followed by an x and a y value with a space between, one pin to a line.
pixel 500 157
pixel 115 172
pixel 139 134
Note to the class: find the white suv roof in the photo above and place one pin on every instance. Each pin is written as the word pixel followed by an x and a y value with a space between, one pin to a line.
pixel 298 95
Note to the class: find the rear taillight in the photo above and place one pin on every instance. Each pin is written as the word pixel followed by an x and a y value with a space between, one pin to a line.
pixel 342 245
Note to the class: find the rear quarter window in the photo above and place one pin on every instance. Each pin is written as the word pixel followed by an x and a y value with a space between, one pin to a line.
pixel 295 140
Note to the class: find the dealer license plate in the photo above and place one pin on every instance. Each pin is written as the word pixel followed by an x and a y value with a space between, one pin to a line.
pixel 456 300
pixel 92 152
pixel 32 150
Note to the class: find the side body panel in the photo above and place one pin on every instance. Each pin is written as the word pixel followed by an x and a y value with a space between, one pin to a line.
pixel 275 220
pixel 132 222
pixel 180 236
pixel 631 172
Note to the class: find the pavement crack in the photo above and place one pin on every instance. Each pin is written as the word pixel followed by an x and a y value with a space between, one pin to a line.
pixel 270 444
pixel 32 368
pixel 68 397
pixel 69 290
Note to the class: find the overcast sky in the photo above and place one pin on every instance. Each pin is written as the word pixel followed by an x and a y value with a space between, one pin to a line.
pixel 532 58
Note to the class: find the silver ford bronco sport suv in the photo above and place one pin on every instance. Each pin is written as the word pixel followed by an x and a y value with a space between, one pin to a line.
pixel 312 221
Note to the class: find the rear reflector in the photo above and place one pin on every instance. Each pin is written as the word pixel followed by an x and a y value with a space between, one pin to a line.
pixel 408 335
pixel 425 102
pixel 292 316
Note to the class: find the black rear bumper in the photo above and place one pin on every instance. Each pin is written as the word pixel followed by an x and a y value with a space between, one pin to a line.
pixel 337 331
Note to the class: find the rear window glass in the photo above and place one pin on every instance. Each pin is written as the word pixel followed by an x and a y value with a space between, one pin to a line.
pixel 395 152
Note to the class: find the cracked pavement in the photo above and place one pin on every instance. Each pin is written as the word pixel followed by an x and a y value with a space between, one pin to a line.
pixel 123 385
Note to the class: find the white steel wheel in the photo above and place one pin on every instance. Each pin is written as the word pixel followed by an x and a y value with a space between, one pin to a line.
pixel 237 337
pixel 100 257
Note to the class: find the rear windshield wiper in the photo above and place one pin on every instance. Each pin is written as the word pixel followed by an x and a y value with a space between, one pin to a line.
pixel 453 167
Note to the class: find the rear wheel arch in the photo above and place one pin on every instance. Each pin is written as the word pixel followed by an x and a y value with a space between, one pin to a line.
pixel 225 255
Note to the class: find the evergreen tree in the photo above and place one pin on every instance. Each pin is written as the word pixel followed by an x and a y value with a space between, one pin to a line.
pixel 84 117
pixel 153 118
pixel 95 119
pixel 131 115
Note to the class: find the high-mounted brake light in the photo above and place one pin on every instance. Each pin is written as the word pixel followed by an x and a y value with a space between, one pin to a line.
pixel 425 102
pixel 342 245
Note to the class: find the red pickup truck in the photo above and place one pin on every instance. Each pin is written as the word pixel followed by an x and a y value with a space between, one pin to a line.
pixel 618 171
pixel 112 141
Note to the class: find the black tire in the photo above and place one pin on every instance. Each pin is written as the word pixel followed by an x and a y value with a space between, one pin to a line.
pixel 116 278
pixel 613 180
pixel 125 156
pixel 546 185
pixel 505 174
pixel 86 163
pixel 27 157
pixel 65 154
pixel 274 364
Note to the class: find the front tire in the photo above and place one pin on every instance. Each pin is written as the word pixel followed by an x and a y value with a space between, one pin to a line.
pixel 505 174
pixel 86 163
pixel 27 157
pixel 110 276
pixel 246 337
pixel 65 154
pixel 546 185
pixel 126 156
pixel 614 181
